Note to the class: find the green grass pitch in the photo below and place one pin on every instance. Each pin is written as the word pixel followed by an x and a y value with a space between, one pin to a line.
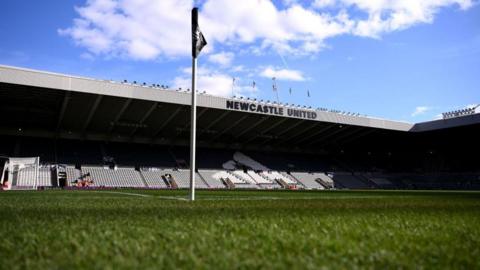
pixel 239 230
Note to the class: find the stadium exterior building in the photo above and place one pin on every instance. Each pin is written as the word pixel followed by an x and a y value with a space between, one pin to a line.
pixel 117 134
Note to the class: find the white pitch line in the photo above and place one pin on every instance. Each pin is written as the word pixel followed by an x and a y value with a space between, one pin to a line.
pixel 260 198
pixel 140 195
pixel 256 198
pixel 123 193
pixel 246 198
pixel 171 198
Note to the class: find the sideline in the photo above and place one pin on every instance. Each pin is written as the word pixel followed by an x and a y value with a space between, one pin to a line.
pixel 245 198
pixel 140 195
pixel 123 193
pixel 172 198
pixel 260 198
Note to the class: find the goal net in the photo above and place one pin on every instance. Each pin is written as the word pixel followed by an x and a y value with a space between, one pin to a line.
pixel 21 173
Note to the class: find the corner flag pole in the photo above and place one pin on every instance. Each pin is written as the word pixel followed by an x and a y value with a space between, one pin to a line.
pixel 198 42
pixel 193 130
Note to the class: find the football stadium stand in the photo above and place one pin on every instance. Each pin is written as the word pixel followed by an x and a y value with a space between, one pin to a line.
pixel 26 178
pixel 259 179
pixel 44 177
pixel 73 174
pixel 154 179
pixel 249 162
pixel 182 178
pixel 118 177
pixel 212 178
pixel 309 180
pixel 60 130
pixel 349 180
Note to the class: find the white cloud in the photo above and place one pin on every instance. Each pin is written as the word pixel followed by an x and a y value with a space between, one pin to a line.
pixel 289 2
pixel 148 29
pixel 224 59
pixel 237 69
pixel 323 3
pixel 420 110
pixel 283 74
pixel 214 83
pixel 144 30
pixel 391 15
pixel 138 29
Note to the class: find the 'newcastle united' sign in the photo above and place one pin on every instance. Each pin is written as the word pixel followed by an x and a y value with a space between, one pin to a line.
pixel 269 109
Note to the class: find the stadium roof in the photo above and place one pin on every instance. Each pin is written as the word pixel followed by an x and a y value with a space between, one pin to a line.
pixel 37 103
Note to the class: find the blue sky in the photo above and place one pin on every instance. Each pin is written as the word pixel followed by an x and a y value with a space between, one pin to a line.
pixel 391 59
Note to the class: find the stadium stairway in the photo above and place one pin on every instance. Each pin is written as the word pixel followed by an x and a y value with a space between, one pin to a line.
pixel 143 179
pixel 200 182
pixel 154 179
pixel 228 182
pixel 297 183
pixel 366 180
pixel 349 180
pixel 182 178
pixel 170 179
pixel 238 181
pixel 380 181
pixel 366 183
pixel 325 180
pixel 309 180
pixel 283 184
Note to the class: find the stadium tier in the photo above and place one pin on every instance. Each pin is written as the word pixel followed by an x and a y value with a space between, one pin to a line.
pixel 97 133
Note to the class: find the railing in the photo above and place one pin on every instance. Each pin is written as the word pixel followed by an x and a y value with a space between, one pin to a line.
pixel 458 113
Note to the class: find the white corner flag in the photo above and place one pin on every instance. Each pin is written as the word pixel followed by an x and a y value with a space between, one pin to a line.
pixel 198 42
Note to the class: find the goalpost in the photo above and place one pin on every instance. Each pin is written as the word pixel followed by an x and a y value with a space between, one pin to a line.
pixel 21 172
